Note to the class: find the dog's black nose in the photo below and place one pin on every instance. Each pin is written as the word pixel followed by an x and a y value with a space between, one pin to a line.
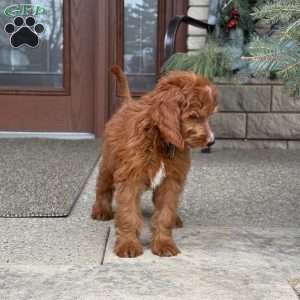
pixel 208 149
pixel 211 143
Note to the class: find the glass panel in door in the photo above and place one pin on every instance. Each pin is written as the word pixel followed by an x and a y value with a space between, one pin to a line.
pixel 31 44
pixel 140 43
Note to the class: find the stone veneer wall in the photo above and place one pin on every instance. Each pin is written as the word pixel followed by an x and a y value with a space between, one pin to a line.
pixel 256 114
pixel 263 114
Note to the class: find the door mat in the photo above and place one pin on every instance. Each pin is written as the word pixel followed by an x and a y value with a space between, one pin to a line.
pixel 295 283
pixel 42 177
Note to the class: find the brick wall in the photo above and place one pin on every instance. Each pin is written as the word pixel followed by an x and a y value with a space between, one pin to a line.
pixel 258 114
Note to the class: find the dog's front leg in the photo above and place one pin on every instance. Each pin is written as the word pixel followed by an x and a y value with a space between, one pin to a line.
pixel 128 220
pixel 164 218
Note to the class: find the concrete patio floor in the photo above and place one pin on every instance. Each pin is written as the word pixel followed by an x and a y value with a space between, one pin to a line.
pixel 247 248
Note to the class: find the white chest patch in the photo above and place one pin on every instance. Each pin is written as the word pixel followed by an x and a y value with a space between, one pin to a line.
pixel 159 176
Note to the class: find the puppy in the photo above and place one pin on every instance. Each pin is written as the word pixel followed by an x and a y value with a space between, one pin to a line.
pixel 147 145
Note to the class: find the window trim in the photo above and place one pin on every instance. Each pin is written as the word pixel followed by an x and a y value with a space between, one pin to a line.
pixel 66 89
pixel 166 10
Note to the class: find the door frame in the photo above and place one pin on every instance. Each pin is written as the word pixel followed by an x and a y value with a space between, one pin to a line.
pixel 103 61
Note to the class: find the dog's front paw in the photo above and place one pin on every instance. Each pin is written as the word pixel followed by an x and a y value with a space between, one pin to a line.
pixel 128 248
pixel 98 213
pixel 164 248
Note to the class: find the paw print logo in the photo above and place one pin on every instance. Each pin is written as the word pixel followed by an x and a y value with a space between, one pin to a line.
pixel 24 32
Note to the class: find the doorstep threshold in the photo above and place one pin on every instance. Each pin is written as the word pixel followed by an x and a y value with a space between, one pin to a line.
pixel 47 135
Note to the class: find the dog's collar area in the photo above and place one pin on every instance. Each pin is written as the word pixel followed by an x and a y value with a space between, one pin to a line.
pixel 171 150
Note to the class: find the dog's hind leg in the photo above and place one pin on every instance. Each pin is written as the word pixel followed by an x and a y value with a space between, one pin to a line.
pixel 102 209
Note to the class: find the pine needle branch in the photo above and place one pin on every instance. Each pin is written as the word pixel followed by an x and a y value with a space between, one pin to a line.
pixel 278 11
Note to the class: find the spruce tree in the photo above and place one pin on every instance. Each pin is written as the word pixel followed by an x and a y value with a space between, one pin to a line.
pixel 279 54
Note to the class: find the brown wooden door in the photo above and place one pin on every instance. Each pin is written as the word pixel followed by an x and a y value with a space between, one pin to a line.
pixel 50 87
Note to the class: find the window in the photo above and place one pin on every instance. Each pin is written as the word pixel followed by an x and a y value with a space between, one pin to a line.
pixel 140 43
pixel 140 28
pixel 32 44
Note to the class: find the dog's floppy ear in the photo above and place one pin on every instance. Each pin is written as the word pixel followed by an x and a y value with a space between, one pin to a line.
pixel 166 116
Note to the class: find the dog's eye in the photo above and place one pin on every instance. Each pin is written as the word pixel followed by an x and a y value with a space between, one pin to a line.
pixel 196 118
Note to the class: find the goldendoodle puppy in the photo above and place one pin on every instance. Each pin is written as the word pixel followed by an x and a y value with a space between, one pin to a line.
pixel 147 145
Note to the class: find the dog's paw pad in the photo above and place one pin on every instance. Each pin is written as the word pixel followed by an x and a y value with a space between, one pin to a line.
pixel 9 28
pixel 24 32
pixel 39 28
pixel 164 248
pixel 128 248
pixel 19 21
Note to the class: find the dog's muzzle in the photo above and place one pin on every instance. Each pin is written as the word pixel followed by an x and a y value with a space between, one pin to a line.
pixel 211 139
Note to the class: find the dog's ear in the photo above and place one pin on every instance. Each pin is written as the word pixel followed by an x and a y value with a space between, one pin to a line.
pixel 167 115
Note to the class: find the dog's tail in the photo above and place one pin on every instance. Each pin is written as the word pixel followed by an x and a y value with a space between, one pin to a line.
pixel 124 91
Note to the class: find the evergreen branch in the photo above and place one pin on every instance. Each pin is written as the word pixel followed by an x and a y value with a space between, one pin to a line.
pixel 292 31
pixel 289 68
pixel 261 57
pixel 211 61
pixel 279 56
pixel 225 5
pixel 280 10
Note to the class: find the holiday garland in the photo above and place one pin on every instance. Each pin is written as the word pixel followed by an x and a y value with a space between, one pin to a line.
pixel 233 30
